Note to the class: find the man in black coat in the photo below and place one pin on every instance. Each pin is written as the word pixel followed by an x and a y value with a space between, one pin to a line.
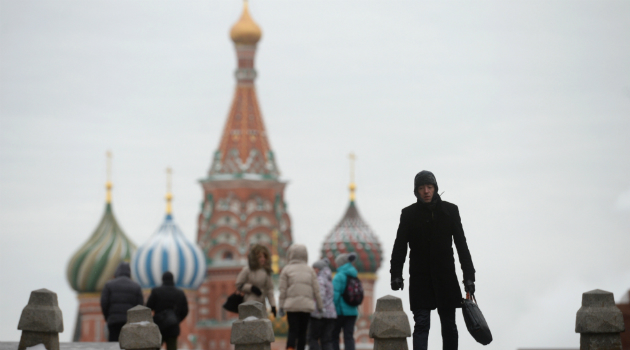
pixel 118 296
pixel 171 307
pixel 429 227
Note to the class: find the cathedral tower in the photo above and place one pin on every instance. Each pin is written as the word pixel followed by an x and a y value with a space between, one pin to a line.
pixel 169 250
pixel 353 235
pixel 93 265
pixel 243 196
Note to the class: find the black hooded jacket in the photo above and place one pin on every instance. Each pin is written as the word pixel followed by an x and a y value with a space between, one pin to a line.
pixel 167 296
pixel 429 231
pixel 120 295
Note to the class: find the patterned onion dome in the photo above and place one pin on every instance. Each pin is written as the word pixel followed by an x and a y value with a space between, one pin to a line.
pixel 96 261
pixel 352 234
pixel 169 250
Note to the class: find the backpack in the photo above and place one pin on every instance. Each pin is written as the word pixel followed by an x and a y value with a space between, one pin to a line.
pixel 353 294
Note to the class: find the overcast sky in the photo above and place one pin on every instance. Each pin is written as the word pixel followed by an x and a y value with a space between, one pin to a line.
pixel 520 108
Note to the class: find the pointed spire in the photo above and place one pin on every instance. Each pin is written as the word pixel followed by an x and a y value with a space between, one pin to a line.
pixel 169 194
pixel 244 151
pixel 352 186
pixel 108 184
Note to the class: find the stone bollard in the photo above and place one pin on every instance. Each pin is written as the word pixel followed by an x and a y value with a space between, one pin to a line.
pixel 140 332
pixel 390 325
pixel 41 321
pixel 253 330
pixel 599 322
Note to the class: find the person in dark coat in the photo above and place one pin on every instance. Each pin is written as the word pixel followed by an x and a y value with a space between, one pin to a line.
pixel 170 309
pixel 429 227
pixel 118 296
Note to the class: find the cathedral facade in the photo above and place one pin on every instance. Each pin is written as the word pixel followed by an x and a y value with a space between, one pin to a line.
pixel 242 204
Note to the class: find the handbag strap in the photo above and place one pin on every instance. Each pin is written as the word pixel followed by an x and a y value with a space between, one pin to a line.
pixel 471 297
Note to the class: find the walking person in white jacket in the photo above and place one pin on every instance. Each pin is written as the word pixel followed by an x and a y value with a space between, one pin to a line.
pixel 322 323
pixel 299 295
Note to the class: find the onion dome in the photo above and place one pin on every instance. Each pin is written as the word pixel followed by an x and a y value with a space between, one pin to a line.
pixel 245 31
pixel 169 250
pixel 96 261
pixel 353 235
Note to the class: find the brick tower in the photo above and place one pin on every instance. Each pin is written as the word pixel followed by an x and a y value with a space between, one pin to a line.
pixel 243 197
pixel 353 235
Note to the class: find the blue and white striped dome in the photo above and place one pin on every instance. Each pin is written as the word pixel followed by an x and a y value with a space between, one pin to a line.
pixel 169 250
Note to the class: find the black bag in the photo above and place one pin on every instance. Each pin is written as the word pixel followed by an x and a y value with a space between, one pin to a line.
pixel 165 319
pixel 353 294
pixel 475 322
pixel 232 302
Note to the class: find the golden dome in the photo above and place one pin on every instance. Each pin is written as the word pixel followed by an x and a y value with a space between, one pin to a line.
pixel 245 31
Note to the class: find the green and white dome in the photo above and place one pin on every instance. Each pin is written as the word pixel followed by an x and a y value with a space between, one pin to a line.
pixel 96 261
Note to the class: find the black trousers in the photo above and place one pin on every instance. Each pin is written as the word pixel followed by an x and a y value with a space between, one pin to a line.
pixel 298 324
pixel 171 343
pixel 422 318
pixel 114 331
pixel 347 324
pixel 321 330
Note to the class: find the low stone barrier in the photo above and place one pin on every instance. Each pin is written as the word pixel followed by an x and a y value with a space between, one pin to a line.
pixel 140 332
pixel 253 330
pixel 390 325
pixel 41 321
pixel 599 322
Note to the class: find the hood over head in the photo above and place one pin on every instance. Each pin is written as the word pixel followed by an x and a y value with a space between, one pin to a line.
pixel 345 258
pixel 252 258
pixel 326 272
pixel 422 178
pixel 167 279
pixel 322 263
pixel 297 252
pixel 123 269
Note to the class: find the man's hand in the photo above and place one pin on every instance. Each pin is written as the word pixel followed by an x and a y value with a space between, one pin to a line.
pixel 397 283
pixel 256 290
pixel 281 313
pixel 273 311
pixel 469 286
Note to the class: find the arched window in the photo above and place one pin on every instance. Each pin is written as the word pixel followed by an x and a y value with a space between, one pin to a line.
pixel 227 255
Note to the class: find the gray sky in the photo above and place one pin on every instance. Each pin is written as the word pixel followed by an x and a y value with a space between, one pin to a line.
pixel 520 108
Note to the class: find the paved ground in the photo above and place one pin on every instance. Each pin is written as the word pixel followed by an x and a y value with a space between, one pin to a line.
pixel 68 346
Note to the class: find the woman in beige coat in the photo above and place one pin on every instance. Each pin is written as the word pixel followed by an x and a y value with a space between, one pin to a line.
pixel 299 292
pixel 254 281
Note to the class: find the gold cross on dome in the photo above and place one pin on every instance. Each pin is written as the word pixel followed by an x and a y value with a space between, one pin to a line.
pixel 352 186
pixel 169 195
pixel 108 184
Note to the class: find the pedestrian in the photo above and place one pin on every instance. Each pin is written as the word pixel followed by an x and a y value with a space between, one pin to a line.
pixel 118 296
pixel 299 295
pixel 321 323
pixel 170 309
pixel 346 314
pixel 254 280
pixel 429 227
